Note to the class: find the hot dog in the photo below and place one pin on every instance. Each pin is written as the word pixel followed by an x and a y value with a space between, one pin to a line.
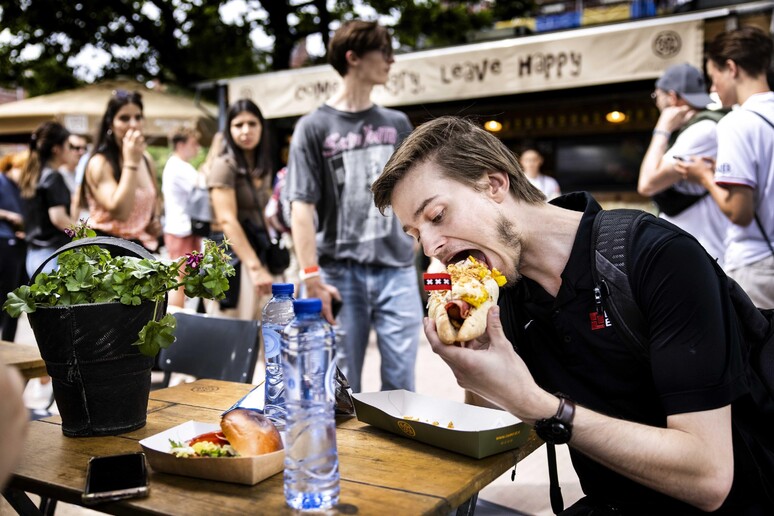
pixel 460 309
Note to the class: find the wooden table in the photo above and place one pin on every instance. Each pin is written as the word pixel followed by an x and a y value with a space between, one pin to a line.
pixel 23 357
pixel 380 472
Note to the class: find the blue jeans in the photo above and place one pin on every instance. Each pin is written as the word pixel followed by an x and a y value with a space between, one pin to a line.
pixel 38 255
pixel 387 299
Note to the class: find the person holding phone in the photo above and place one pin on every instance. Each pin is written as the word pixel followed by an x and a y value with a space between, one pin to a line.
pixel 685 128
pixel 741 182
pixel 120 182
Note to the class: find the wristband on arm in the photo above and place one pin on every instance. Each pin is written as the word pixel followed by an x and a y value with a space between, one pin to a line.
pixel 309 272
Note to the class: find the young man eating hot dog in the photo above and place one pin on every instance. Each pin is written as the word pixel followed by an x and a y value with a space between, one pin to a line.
pixel 651 437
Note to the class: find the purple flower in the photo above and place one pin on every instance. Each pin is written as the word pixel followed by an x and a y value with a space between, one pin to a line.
pixel 69 232
pixel 192 259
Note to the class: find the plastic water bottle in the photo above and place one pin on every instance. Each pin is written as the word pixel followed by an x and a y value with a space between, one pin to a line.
pixel 277 313
pixel 311 458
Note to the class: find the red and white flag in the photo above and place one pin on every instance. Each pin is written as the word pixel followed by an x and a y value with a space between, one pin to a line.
pixel 437 281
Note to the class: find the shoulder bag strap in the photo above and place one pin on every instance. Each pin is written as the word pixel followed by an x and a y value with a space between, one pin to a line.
pixel 755 212
pixel 257 202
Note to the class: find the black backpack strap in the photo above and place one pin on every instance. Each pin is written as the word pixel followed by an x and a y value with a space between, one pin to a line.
pixel 612 235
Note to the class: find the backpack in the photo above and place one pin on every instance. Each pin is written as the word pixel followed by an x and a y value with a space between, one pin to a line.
pixel 671 201
pixel 612 236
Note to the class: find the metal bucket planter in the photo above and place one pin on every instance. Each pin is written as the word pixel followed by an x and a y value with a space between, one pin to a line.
pixel 101 381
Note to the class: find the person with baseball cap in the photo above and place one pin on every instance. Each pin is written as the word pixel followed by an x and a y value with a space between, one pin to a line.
pixel 685 128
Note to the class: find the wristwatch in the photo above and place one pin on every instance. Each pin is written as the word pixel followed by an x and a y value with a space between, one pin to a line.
pixel 557 429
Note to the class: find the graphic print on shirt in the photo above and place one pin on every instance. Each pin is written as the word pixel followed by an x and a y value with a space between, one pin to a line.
pixel 355 166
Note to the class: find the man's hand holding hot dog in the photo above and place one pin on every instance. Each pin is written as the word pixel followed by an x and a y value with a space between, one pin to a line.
pixel 486 366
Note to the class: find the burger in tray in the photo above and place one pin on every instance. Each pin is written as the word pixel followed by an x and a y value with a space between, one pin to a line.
pixel 244 433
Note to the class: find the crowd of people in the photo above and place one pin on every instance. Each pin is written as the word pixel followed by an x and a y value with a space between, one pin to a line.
pixel 363 193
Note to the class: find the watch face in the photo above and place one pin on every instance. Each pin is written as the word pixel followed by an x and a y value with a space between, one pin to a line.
pixel 553 431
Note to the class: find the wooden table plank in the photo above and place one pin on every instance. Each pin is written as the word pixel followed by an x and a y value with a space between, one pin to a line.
pixel 378 457
pixel 23 357
pixel 215 394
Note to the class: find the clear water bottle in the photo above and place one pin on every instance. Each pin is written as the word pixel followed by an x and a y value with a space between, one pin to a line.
pixel 311 458
pixel 277 313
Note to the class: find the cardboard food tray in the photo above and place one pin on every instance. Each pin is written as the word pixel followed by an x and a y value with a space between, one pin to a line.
pixel 239 470
pixel 474 431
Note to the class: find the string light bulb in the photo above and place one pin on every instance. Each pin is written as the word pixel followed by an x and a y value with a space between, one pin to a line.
pixel 493 126
pixel 616 117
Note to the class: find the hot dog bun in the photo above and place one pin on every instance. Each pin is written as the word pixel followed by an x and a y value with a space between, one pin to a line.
pixel 436 309
pixel 250 433
pixel 475 289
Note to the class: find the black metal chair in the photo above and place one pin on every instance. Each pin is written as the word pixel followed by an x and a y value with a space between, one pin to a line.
pixel 212 347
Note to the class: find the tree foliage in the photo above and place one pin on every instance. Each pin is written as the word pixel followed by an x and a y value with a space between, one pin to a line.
pixel 186 41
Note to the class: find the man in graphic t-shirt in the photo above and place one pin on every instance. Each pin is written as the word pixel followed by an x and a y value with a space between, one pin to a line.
pixel 347 250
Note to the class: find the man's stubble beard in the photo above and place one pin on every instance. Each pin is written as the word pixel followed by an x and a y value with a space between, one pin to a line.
pixel 511 241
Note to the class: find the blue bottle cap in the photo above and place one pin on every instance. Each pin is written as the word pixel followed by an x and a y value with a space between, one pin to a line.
pixel 312 305
pixel 282 288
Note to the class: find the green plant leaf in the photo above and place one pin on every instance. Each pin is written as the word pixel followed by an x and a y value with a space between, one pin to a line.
pixel 157 335
pixel 82 278
pixel 19 301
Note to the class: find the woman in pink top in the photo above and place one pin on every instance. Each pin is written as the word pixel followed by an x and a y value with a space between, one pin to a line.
pixel 120 182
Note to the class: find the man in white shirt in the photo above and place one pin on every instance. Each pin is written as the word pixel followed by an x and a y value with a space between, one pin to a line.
pixel 531 160
pixel 743 181
pixel 177 183
pixel 685 128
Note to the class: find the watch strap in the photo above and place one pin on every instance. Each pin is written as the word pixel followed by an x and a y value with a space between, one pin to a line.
pixel 566 411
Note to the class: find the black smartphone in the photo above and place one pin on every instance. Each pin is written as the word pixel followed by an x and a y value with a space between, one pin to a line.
pixel 336 306
pixel 116 477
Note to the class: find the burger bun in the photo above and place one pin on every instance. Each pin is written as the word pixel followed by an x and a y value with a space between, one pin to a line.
pixel 250 432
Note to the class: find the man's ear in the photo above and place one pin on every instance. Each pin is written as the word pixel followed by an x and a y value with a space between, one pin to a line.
pixel 732 67
pixel 351 57
pixel 499 185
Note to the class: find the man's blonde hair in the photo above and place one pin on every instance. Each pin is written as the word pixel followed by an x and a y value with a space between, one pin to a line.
pixel 463 150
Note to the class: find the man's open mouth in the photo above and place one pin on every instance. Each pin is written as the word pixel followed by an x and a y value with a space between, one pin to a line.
pixel 475 253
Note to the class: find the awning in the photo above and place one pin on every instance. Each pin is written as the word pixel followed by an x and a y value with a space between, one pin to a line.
pixel 583 57
pixel 80 110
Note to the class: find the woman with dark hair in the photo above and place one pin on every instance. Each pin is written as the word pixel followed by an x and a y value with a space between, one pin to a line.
pixel 45 196
pixel 240 186
pixel 120 182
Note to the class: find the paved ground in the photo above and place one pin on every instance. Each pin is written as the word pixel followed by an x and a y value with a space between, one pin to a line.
pixel 527 494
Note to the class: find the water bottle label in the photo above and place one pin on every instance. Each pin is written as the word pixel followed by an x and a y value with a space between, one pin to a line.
pixel 271 342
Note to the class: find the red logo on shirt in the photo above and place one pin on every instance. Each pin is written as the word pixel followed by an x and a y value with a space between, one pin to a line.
pixel 599 321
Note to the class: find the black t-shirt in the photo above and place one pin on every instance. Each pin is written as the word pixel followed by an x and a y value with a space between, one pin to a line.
pixel 569 349
pixel 51 191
